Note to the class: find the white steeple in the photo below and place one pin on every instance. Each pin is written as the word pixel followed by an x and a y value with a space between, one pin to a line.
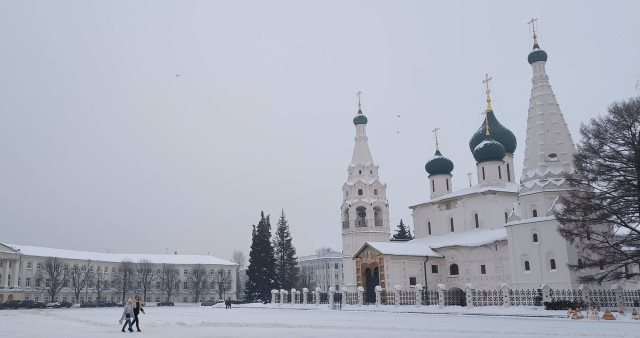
pixel 365 209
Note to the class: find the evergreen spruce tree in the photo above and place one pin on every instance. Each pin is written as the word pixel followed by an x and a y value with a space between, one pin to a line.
pixel 286 260
pixel 403 232
pixel 261 273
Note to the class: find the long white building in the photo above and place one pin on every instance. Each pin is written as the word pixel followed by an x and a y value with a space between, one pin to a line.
pixel 323 270
pixel 19 265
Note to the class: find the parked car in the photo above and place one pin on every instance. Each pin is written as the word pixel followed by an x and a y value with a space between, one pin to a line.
pixel 10 304
pixel 64 304
pixel 121 304
pixel 89 304
pixel 53 304
pixel 111 304
pixel 27 304
pixel 101 303
pixel 209 302
pixel 167 303
pixel 39 305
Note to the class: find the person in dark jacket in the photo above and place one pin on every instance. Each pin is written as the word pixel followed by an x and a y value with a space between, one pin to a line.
pixel 137 308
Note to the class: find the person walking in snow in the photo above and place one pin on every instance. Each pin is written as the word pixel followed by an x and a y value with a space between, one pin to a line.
pixel 137 308
pixel 127 314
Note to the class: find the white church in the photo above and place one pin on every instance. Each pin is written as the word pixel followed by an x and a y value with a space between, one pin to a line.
pixel 498 231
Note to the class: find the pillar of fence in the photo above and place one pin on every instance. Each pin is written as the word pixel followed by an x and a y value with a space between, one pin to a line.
pixel 506 301
pixel 378 295
pixel 317 295
pixel 546 293
pixel 360 295
pixel 294 296
pixel 586 294
pixel 344 295
pixel 396 297
pixel 419 294
pixel 273 296
pixel 305 296
pixel 469 289
pixel 617 289
pixel 332 291
pixel 441 290
pixel 283 296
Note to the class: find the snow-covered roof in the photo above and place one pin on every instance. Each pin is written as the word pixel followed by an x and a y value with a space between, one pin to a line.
pixel 428 246
pixel 118 257
pixel 509 187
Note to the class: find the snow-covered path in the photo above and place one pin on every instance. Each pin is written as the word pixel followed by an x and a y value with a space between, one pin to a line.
pixel 196 321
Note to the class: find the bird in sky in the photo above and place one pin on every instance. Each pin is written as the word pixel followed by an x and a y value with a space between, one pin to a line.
pixel 177 75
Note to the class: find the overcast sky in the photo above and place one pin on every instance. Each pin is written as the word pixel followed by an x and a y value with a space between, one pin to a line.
pixel 103 147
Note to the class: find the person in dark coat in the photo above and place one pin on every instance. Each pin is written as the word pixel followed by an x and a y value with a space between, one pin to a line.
pixel 137 308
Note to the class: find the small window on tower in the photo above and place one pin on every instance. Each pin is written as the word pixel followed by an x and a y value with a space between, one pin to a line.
pixel 535 213
pixel 447 180
pixel 506 217
pixel 412 281
pixel 526 266
pixel 360 172
pixel 483 269
pixel 499 172
pixel 451 221
pixel 434 269
pixel 371 172
pixel 359 192
pixel 375 192
pixel 508 173
pixel 483 177
pixel 433 186
pixel 477 222
pixel 552 263
pixel 429 227
pixel 535 238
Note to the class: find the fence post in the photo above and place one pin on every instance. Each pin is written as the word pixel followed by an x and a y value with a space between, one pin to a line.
pixel 586 294
pixel 469 289
pixel 294 296
pixel 441 290
pixel 283 296
pixel 332 291
pixel 317 295
pixel 419 294
pixel 305 296
pixel 546 293
pixel 397 294
pixel 360 295
pixel 617 289
pixel 506 301
pixel 273 296
pixel 378 295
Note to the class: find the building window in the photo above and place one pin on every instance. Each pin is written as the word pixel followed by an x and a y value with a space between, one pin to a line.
pixel 483 178
pixel 184 300
pixel 453 270
pixel 506 217
pixel 434 269
pixel 483 269
pixel 29 265
pixel 28 282
pixel 359 192
pixel 451 221
pixel 185 286
pixel 371 172
pixel 499 172
pixel 508 173
pixel 579 263
pixel 535 238
pixel 157 285
pixel 429 227
pixel 335 266
pixel 552 263
pixel 360 172
pixel 447 180
pixel 336 276
pixel 375 192
pixel 526 266
pixel 535 213
pixel 412 281
pixel 433 186
pixel 186 272
pixel 477 223
pixel 588 236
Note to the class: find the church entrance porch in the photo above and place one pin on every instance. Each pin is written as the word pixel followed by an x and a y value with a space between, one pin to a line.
pixel 371 280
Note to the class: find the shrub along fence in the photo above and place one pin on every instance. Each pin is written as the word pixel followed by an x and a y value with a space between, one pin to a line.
pixel 469 297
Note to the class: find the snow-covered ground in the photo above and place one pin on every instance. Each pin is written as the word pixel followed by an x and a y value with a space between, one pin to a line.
pixel 188 320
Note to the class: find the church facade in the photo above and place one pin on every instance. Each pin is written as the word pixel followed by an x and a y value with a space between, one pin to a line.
pixel 495 232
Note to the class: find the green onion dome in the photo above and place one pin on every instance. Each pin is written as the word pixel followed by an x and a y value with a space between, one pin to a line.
pixel 537 54
pixel 498 132
pixel 360 118
pixel 488 150
pixel 439 165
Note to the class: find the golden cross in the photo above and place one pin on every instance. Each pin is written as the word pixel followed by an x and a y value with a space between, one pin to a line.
pixel 358 94
pixel 488 91
pixel 435 131
pixel 532 23
pixel 469 174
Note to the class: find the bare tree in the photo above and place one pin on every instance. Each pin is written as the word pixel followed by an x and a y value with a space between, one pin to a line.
pixel 146 276
pixel 79 279
pixel 100 284
pixel 169 277
pixel 222 281
pixel 307 278
pixel 199 281
pixel 323 251
pixel 239 258
pixel 54 275
pixel 124 277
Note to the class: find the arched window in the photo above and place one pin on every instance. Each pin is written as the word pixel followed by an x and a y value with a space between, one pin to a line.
pixel 526 266
pixel 453 270
pixel 359 192
pixel 447 180
pixel 535 213
pixel 375 192
pixel 483 173
pixel 508 173
pixel 499 172
pixel 433 186
pixel 552 262
pixel 451 221
pixel 477 223
pixel 535 238
pixel 506 217
pixel 429 227
pixel 360 172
